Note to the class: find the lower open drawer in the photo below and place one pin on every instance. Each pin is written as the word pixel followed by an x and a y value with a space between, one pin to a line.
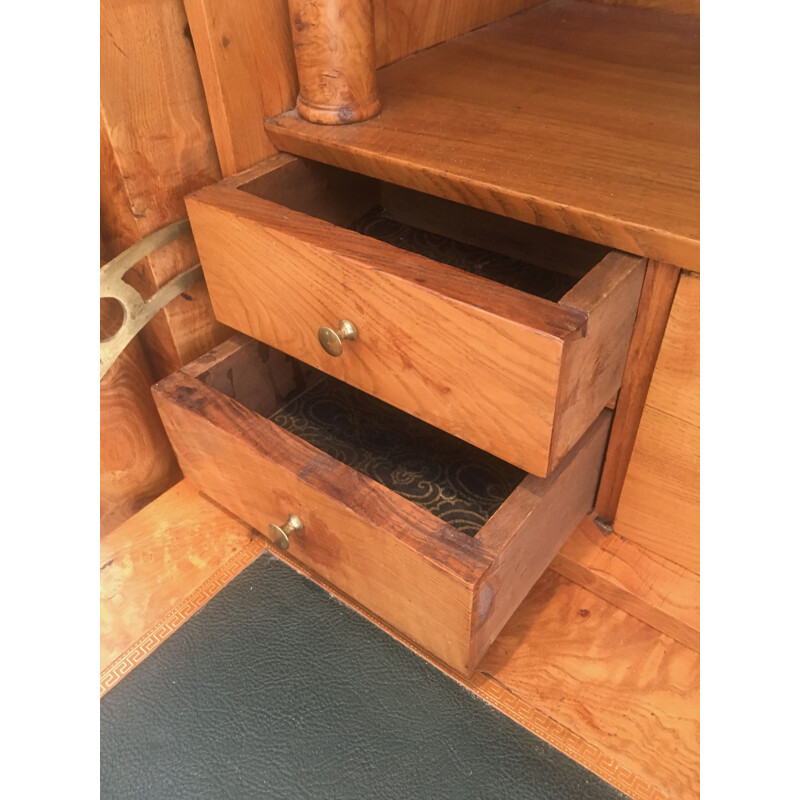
pixel 439 539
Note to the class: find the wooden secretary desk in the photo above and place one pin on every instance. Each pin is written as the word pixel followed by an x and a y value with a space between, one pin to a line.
pixel 492 239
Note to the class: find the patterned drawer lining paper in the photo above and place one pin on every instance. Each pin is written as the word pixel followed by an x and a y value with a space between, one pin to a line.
pixel 517 274
pixel 449 478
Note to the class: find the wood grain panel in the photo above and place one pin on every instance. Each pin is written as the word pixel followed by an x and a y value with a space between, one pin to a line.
pixel 372 543
pixel 245 54
pixel 651 588
pixel 155 560
pixel 156 146
pixel 493 232
pixel 660 501
pixel 403 27
pixel 675 387
pixel 257 376
pixel 527 531
pixel 593 365
pixel 247 61
pixel 577 117
pixel 611 680
pixel 427 332
pixel 136 461
pixel 320 191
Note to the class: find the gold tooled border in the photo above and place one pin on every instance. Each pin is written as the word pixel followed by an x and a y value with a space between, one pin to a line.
pixel 137 652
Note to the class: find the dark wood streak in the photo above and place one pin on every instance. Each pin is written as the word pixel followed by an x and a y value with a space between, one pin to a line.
pixel 376 504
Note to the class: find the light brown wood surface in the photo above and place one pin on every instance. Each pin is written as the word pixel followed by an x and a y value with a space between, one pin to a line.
pixel 246 59
pixel 334 52
pixel 660 502
pixel 156 146
pixel 136 461
pixel 150 564
pixel 257 376
pixel 244 51
pixel 593 365
pixel 547 249
pixel 658 291
pixel 578 117
pixel 615 683
pixel 647 586
pixel 427 332
pixel 526 532
pixel 403 27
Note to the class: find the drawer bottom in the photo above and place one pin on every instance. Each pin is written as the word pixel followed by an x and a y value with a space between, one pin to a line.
pixel 449 478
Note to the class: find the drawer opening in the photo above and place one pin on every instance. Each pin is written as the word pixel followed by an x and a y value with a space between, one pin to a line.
pixel 515 254
pixel 379 223
pixel 446 476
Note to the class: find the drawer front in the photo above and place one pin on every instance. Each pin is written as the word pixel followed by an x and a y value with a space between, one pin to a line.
pixel 448 592
pixel 480 360
pixel 383 551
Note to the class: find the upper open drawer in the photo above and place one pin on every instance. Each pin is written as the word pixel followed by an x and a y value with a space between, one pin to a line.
pixel 508 336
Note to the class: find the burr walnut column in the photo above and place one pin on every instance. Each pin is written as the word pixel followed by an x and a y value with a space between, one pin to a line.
pixel 334 48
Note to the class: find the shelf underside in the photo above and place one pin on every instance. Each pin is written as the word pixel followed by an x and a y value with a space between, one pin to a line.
pixel 579 117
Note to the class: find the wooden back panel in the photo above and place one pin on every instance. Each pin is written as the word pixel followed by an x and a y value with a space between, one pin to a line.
pixel 246 59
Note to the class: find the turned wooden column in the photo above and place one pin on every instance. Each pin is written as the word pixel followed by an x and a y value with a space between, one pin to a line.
pixel 334 48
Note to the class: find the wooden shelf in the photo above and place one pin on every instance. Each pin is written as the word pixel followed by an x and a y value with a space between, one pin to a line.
pixel 579 117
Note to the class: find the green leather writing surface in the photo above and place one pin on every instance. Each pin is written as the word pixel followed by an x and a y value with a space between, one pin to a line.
pixel 276 690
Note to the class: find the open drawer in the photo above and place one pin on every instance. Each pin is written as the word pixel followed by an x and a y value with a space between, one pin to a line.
pixel 505 335
pixel 438 538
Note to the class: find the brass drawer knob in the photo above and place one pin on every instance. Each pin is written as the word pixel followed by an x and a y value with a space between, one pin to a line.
pixel 332 340
pixel 280 534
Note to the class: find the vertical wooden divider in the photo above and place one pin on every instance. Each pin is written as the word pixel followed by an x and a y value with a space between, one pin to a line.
pixel 155 147
pixel 658 290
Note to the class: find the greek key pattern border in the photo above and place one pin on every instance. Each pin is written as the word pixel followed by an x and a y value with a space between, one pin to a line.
pixel 137 652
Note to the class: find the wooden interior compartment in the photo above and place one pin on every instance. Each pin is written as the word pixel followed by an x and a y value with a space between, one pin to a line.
pixel 441 338
pixel 449 591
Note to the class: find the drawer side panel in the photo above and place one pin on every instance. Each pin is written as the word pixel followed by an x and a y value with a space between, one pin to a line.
pixel 528 531
pixel 592 367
